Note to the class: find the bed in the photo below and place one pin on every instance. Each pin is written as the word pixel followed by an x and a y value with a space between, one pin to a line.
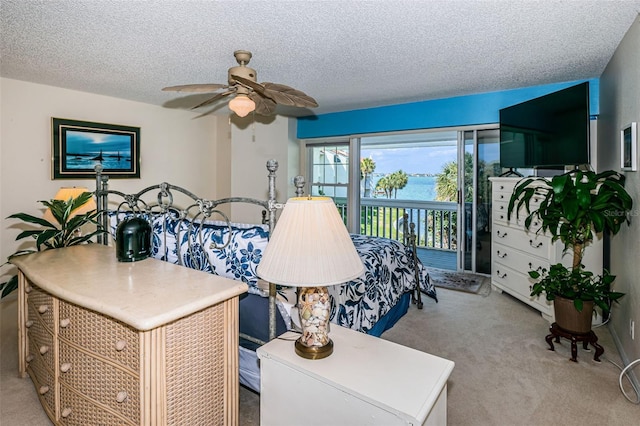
pixel 194 232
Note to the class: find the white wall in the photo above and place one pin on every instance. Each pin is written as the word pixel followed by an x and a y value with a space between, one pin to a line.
pixel 253 143
pixel 620 105
pixel 175 146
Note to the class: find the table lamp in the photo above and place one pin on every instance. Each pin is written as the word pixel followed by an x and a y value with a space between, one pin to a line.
pixel 310 248
pixel 67 193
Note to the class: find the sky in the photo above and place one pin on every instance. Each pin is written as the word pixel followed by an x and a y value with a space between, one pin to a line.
pixel 410 160
pixel 79 142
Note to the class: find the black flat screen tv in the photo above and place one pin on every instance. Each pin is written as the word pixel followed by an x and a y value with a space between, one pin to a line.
pixel 551 131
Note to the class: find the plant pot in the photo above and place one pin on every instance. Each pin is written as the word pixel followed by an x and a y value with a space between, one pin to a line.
pixel 568 318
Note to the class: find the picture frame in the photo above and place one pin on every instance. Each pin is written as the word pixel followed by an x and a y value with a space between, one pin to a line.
pixel 78 146
pixel 629 147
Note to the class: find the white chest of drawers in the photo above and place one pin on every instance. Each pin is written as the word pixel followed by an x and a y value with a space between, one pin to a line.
pixel 515 251
pixel 143 343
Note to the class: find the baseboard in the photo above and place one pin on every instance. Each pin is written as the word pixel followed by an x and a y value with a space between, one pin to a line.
pixel 631 374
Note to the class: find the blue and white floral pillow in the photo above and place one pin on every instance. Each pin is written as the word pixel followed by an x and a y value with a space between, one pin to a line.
pixel 229 250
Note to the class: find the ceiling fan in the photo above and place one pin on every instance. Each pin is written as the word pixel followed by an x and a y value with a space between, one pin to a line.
pixel 249 95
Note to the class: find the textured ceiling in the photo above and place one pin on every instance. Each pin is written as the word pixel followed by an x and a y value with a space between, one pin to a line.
pixel 346 54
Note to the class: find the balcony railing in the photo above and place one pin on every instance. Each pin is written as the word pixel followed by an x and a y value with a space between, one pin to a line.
pixel 435 222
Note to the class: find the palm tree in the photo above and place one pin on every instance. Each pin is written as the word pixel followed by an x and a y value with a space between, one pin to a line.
pixel 367 167
pixel 399 180
pixel 447 182
pixel 391 183
pixel 384 185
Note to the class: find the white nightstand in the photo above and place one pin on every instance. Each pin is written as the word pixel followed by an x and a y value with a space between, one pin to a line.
pixel 367 380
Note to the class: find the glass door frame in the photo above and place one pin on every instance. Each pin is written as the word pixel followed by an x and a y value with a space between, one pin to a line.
pixel 463 219
pixel 463 138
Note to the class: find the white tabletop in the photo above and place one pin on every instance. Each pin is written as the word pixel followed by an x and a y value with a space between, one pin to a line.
pixel 144 294
pixel 406 381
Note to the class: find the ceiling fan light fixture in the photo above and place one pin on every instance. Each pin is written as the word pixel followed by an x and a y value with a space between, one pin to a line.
pixel 242 105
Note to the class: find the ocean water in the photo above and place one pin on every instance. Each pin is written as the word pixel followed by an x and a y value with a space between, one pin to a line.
pixel 110 161
pixel 420 188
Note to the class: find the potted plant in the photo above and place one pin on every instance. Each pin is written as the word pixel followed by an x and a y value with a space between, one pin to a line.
pixel 64 233
pixel 572 208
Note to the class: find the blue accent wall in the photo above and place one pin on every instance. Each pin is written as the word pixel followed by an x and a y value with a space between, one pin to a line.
pixel 468 110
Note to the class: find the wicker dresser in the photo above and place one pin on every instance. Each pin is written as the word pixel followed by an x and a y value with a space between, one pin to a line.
pixel 143 343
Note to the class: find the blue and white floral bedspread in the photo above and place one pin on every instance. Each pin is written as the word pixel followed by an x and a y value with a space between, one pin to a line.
pixel 358 304
pixel 388 275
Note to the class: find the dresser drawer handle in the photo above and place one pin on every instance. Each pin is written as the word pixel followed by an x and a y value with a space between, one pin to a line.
pixel 122 396
pixel 538 245
pixel 43 389
pixel 501 186
pixel 44 349
pixel 501 235
pixel 28 289
pixel 501 276
pixel 120 345
pixel 29 358
pixel 539 268
pixel 66 412
pixel 501 255
pixel 29 324
pixel 65 367
pixel 43 308
pixel 64 323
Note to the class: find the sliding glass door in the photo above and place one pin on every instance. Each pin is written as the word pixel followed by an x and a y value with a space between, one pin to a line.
pixel 480 154
pixel 439 179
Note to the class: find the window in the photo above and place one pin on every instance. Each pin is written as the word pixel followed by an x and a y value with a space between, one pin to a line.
pixel 330 171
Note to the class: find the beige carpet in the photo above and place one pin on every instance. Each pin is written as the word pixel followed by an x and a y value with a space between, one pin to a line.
pixel 460 281
pixel 504 373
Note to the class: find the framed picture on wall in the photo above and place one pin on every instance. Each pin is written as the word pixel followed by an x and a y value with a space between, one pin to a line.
pixel 78 146
pixel 629 147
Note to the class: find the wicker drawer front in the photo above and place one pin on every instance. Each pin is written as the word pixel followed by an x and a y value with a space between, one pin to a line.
pixel 195 369
pixel 42 303
pixel 99 334
pixel 78 411
pixel 100 381
pixel 44 383
pixel 40 340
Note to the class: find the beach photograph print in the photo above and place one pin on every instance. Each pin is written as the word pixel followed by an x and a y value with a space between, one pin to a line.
pixel 79 146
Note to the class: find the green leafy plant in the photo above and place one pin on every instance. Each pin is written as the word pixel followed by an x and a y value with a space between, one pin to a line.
pixel 578 285
pixel 572 208
pixel 64 233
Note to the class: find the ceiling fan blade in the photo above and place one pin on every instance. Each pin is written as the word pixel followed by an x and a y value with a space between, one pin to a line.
pixel 214 99
pixel 212 87
pixel 264 106
pixel 285 95
pixel 249 83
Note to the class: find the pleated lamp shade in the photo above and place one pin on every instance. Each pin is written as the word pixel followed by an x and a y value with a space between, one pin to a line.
pixel 310 246
pixel 67 193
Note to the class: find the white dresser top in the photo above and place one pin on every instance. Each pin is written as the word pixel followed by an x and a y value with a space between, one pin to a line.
pixel 404 380
pixel 144 294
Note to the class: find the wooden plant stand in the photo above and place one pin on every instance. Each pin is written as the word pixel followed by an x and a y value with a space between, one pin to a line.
pixel 586 339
